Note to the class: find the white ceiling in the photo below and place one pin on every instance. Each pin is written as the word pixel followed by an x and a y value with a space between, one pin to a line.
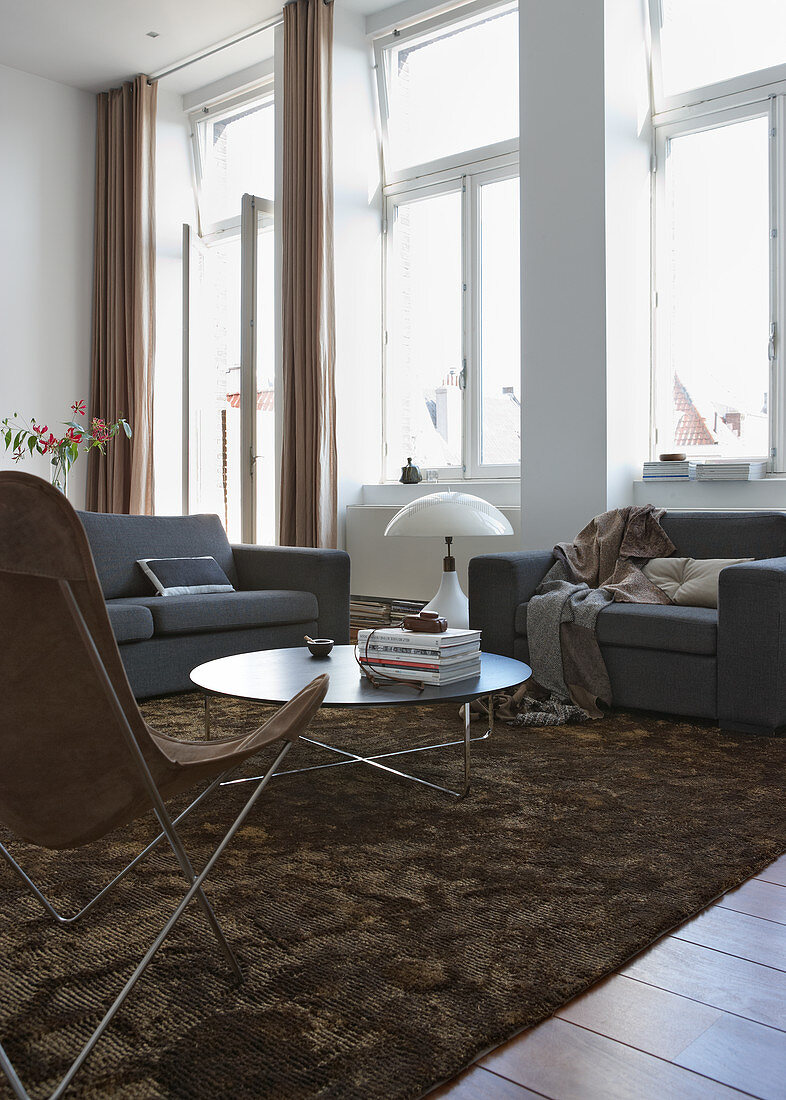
pixel 95 44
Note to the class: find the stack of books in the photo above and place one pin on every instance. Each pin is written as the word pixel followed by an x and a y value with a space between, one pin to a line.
pixel 368 611
pixel 667 471
pixel 719 470
pixel 428 658
pixel 400 608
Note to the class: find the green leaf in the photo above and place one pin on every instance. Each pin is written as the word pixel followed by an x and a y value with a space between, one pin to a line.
pixel 31 441
pixel 126 428
pixel 8 437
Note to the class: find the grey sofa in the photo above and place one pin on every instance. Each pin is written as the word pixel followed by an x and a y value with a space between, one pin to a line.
pixel 728 664
pixel 281 594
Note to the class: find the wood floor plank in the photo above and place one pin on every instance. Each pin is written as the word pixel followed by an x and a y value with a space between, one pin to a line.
pixel 759 899
pixel 722 981
pixel 741 1054
pixel 761 941
pixel 567 1062
pixel 480 1084
pixel 776 872
pixel 650 1019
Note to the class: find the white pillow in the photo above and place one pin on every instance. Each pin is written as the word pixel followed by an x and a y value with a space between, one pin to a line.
pixel 690 582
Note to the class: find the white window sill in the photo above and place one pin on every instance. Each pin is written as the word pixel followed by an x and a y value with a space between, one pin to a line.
pixel 767 494
pixel 504 492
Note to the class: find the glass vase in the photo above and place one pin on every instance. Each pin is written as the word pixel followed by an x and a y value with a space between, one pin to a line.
pixel 59 475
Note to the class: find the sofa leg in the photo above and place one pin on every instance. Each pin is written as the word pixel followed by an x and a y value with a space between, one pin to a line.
pixel 744 727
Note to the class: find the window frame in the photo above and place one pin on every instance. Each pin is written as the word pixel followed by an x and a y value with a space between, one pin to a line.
pixel 466 172
pixel 691 119
pixel 262 93
pixel 759 79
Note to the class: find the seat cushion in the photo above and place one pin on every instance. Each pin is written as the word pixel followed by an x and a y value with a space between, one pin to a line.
pixel 658 626
pixel 130 622
pixel 651 626
pixel 227 610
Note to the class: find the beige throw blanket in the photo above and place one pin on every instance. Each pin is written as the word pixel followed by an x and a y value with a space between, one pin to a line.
pixel 601 566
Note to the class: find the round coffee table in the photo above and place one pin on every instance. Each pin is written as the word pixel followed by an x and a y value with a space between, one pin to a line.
pixel 275 675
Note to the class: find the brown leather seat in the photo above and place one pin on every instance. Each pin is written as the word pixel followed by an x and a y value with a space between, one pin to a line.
pixel 77 759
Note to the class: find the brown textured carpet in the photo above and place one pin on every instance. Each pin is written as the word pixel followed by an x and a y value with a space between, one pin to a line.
pixel 387 933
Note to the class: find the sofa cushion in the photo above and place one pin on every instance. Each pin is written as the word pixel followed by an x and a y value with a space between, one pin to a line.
pixel 659 626
pixel 651 626
pixel 690 582
pixel 185 576
pixel 117 542
pixel 228 610
pixel 727 534
pixel 130 622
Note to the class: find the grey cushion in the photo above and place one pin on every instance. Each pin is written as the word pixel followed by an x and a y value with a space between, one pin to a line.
pixel 727 534
pixel 651 626
pixel 118 541
pixel 227 611
pixel 130 622
pixel 655 626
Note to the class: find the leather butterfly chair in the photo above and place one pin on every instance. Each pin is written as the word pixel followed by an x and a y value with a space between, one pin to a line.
pixel 77 759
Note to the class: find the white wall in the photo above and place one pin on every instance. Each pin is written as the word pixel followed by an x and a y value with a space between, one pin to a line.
pixel 175 205
pixel 47 133
pixel 358 262
pixel 628 148
pixel 585 261
pixel 563 268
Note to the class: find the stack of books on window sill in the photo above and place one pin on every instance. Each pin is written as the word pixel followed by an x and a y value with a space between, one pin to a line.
pixel 728 470
pixel 434 659
pixel 667 471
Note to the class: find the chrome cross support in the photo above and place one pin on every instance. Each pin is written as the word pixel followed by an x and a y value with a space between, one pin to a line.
pixel 374 761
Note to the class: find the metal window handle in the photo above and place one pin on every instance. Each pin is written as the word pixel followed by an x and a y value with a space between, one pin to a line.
pixel 771 343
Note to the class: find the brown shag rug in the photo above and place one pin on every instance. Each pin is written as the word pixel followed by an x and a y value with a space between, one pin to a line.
pixel 388 934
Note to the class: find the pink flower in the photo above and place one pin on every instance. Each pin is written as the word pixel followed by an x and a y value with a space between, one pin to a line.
pixel 79 408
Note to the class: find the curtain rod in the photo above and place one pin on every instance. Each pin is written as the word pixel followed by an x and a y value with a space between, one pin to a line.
pixel 276 21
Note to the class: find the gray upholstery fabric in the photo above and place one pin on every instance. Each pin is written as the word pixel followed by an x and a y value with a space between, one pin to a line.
pixel 651 626
pixel 324 572
pixel 211 611
pixel 130 623
pixel 653 679
pixel 163 664
pixel 117 541
pixel 726 534
pixel 498 583
pixel 752 647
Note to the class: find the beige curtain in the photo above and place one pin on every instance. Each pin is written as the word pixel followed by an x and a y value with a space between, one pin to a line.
pixel 308 473
pixel 123 292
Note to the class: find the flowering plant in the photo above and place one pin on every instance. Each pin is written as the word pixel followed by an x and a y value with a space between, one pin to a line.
pixel 24 438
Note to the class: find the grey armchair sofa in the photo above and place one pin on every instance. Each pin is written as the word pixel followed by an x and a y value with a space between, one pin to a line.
pixel 281 594
pixel 728 664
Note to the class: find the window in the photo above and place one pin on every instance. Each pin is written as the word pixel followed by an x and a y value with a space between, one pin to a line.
pixel 452 347
pixel 710 42
pixel 231 294
pixel 234 153
pixel 719 259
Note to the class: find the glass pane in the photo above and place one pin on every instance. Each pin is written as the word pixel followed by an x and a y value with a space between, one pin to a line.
pixel 423 391
pixel 265 465
pixel 454 89
pixel 706 41
pixel 237 152
pixel 716 281
pixel 214 376
pixel 500 328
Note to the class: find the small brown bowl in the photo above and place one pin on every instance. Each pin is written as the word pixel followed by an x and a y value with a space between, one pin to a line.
pixel 319 647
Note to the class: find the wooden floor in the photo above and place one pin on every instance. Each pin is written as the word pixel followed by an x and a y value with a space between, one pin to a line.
pixel 701 1014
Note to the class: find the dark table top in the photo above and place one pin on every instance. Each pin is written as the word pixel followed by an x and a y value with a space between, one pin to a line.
pixel 275 675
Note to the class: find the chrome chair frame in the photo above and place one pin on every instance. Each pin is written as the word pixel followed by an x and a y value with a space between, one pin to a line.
pixel 168 831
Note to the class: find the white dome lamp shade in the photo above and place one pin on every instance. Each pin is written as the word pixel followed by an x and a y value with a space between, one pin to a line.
pixel 449 515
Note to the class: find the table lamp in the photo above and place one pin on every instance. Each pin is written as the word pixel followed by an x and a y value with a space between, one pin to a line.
pixel 449 514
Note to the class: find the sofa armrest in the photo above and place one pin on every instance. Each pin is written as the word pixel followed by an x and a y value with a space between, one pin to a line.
pixel 498 583
pixel 752 646
pixel 323 572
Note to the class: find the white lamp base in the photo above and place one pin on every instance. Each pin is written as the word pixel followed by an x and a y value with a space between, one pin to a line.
pixel 450 602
